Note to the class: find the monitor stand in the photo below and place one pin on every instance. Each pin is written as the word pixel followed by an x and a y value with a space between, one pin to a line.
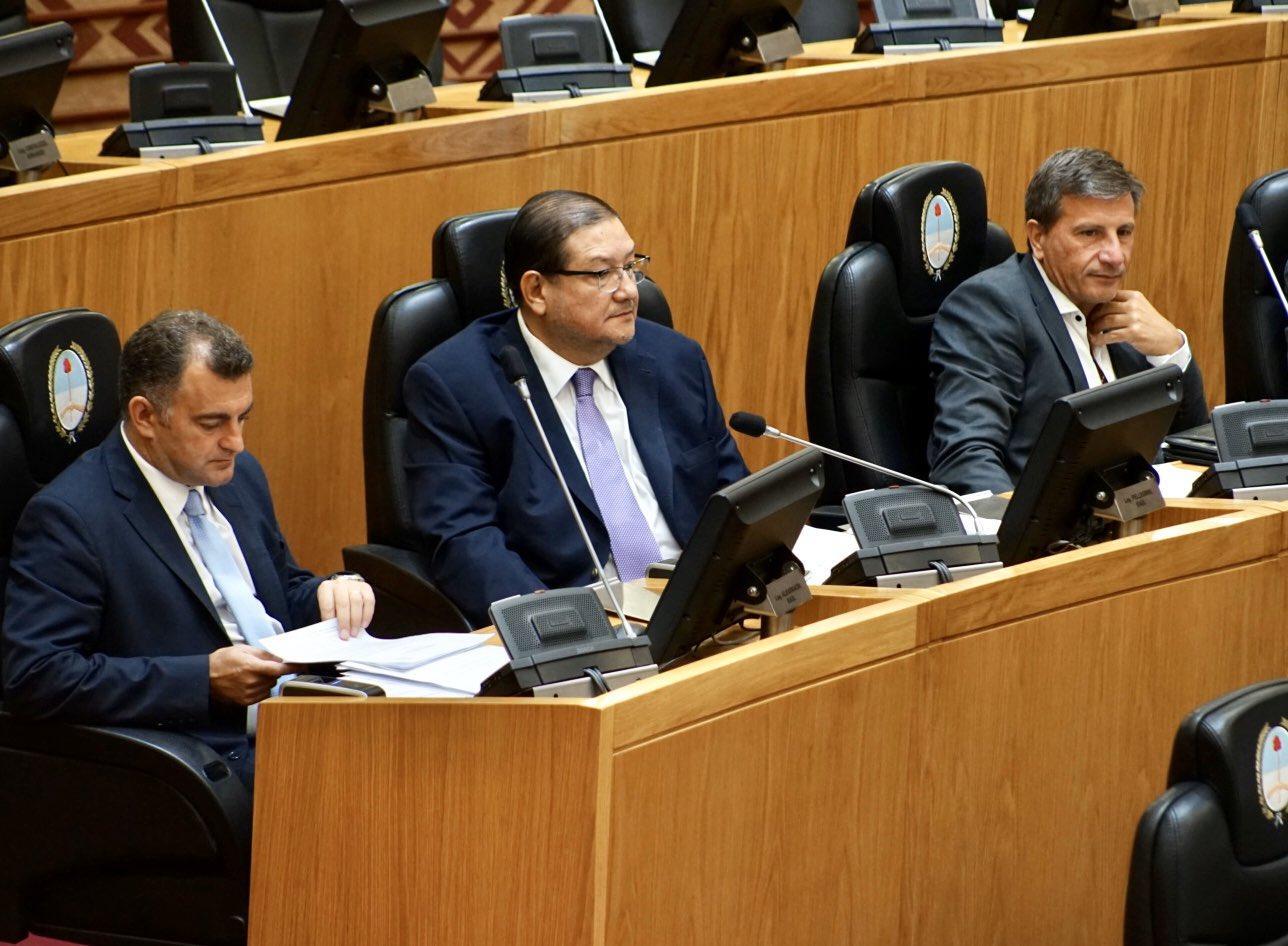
pixel 1125 494
pixel 761 42
pixel 402 98
pixel 772 587
pixel 1144 13
pixel 27 158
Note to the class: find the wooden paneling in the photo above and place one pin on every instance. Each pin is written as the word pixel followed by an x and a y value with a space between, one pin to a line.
pixel 845 783
pixel 418 832
pixel 741 189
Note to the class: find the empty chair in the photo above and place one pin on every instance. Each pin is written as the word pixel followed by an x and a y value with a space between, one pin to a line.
pixel 408 323
pixel 13 16
pixel 112 835
pixel 1256 355
pixel 915 235
pixel 1210 859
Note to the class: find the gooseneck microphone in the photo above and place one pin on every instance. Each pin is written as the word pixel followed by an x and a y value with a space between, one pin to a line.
pixel 516 374
pixel 753 425
pixel 1246 216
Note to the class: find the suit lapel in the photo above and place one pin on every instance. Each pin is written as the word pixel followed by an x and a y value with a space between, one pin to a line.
pixel 509 334
pixel 1053 323
pixel 1126 360
pixel 143 511
pixel 635 374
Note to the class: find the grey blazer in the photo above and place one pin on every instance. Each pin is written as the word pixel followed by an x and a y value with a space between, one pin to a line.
pixel 1000 354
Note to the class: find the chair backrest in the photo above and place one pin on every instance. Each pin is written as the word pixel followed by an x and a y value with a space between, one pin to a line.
pixel 267 39
pixel 58 397
pixel 552 39
pixel 13 16
pixel 467 254
pixel 1210 859
pixel 915 235
pixel 1256 354
pixel 642 25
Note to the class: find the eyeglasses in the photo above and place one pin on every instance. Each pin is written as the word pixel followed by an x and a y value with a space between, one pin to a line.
pixel 610 280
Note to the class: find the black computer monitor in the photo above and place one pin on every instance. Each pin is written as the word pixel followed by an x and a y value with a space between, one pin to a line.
pixel 743 539
pixel 710 38
pixel 366 58
pixel 1053 19
pixel 32 66
pixel 1095 444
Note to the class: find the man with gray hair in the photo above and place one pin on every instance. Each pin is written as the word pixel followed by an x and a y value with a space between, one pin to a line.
pixel 1011 340
pixel 144 576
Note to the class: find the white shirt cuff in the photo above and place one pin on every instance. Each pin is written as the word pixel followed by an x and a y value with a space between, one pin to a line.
pixel 1180 357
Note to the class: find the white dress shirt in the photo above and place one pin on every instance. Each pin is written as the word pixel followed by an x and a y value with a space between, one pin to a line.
pixel 1092 356
pixel 556 373
pixel 172 495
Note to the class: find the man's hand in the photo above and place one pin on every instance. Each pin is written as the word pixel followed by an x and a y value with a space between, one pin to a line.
pixel 350 602
pixel 244 675
pixel 1130 318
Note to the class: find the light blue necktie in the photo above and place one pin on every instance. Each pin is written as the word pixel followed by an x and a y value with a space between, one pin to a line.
pixel 252 620
pixel 633 543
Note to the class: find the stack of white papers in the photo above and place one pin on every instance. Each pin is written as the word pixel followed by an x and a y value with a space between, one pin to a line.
pixel 450 665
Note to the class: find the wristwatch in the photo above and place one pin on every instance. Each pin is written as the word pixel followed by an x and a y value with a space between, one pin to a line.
pixel 344 576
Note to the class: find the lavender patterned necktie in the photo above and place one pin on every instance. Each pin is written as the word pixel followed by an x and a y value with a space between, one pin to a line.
pixel 634 547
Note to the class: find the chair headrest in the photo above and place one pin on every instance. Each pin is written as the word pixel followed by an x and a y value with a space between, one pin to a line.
pixel 467 253
pixel 1268 196
pixel 1238 745
pixel 933 220
pixel 59 374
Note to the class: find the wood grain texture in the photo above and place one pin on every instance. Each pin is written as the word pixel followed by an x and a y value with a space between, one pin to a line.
pixel 845 783
pixel 741 189
pixel 426 822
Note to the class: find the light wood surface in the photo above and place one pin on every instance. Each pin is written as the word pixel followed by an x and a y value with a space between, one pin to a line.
pixel 741 190
pixel 855 781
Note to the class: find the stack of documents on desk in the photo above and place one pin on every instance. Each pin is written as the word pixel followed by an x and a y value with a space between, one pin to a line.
pixel 443 665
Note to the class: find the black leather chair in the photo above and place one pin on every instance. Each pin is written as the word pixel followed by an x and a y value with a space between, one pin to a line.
pixel 266 38
pixel 867 376
pixel 108 835
pixel 13 16
pixel 642 25
pixel 409 322
pixel 1210 859
pixel 1256 354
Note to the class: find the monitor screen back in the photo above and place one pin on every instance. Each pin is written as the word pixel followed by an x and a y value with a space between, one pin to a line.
pixel 699 44
pixel 32 66
pixel 394 37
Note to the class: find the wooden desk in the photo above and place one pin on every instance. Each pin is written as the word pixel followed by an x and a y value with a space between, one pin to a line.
pixel 741 190
pixel 957 765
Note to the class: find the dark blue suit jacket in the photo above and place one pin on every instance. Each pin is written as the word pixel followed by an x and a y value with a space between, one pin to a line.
pixel 483 493
pixel 106 620
pixel 1000 355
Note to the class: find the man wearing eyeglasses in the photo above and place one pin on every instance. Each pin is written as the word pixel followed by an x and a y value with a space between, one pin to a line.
pixel 629 407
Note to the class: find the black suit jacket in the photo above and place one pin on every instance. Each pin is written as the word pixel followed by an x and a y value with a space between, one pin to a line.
pixel 106 620
pixel 483 493
pixel 1000 355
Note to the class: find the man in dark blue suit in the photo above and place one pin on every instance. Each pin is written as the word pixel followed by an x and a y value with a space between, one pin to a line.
pixel 629 407
pixel 145 573
pixel 1011 340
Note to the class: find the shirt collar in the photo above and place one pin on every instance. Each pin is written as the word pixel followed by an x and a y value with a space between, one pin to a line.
pixel 1062 302
pixel 556 370
pixel 170 493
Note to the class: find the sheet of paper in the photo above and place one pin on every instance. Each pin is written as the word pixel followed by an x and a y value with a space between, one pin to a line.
pixel 320 644
pixel 820 550
pixel 464 671
pixel 274 107
pixel 393 686
pixel 1175 481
